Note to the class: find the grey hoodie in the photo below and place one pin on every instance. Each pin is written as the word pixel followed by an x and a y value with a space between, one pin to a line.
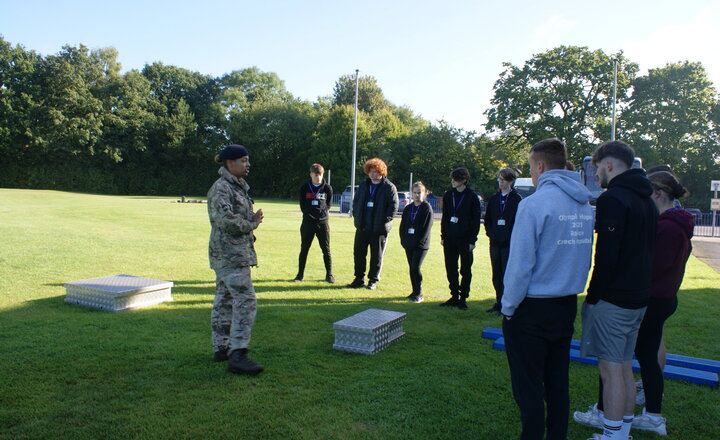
pixel 551 244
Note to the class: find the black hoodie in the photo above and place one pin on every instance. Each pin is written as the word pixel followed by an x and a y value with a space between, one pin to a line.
pixel 626 224
pixel 315 202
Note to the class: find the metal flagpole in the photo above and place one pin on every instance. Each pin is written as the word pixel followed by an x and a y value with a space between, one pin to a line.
pixel 612 130
pixel 354 145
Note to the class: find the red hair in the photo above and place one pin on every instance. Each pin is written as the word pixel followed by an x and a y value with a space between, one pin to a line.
pixel 377 164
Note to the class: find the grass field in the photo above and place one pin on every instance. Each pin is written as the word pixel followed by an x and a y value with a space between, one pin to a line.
pixel 68 372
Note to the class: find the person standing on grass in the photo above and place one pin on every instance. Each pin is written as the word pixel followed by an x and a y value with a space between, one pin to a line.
pixel 459 229
pixel 550 253
pixel 673 247
pixel 415 227
pixel 499 222
pixel 315 200
pixel 375 203
pixel 231 253
pixel 626 225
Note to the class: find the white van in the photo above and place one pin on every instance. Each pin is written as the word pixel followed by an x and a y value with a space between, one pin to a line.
pixel 524 186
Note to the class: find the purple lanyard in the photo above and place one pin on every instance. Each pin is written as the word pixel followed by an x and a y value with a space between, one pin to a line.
pixel 373 189
pixel 455 208
pixel 314 193
pixel 413 213
pixel 503 201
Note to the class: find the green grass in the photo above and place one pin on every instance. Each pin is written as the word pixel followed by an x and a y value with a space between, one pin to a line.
pixel 75 373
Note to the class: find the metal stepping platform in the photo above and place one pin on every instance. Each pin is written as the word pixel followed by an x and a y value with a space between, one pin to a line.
pixel 369 331
pixel 118 292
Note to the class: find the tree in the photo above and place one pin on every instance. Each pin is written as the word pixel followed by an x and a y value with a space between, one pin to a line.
pixel 242 88
pixel 669 112
pixel 332 143
pixel 672 118
pixel 19 94
pixel 565 92
pixel 370 95
pixel 278 135
pixel 69 116
pixel 194 120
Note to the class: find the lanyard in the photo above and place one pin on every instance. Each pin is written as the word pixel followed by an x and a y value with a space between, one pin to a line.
pixel 413 213
pixel 314 193
pixel 373 189
pixel 503 201
pixel 455 207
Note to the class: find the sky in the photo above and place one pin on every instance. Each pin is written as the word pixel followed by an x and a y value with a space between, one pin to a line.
pixel 439 58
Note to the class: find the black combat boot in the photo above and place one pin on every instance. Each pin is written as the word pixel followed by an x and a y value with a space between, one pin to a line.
pixel 239 363
pixel 221 355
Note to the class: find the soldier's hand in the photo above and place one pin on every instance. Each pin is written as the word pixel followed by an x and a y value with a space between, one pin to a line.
pixel 258 216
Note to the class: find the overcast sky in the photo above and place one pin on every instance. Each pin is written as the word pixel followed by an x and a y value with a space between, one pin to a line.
pixel 441 59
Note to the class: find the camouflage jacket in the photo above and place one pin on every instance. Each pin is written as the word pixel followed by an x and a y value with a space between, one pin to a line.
pixel 231 218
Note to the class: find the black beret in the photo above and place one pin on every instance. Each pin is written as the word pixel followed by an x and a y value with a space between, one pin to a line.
pixel 233 151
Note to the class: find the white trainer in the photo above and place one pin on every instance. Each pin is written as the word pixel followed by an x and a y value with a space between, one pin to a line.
pixel 640 398
pixel 598 436
pixel 646 422
pixel 592 417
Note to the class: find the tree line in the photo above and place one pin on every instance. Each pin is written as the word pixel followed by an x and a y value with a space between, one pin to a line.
pixel 73 121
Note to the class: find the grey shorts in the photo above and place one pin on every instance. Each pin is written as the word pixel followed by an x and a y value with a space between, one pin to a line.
pixel 609 332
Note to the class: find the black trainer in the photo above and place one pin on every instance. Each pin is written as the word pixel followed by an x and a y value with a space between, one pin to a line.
pixel 372 285
pixel 462 304
pixel 417 298
pixel 494 309
pixel 358 282
pixel 239 363
pixel 298 278
pixel 452 302
pixel 329 278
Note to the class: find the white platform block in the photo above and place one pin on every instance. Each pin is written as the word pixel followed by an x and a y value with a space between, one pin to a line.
pixel 118 292
pixel 368 332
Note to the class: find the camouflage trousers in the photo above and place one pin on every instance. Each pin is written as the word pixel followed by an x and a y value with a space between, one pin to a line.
pixel 233 312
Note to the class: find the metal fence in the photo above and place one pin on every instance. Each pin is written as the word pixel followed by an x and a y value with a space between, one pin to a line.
pixel 704 225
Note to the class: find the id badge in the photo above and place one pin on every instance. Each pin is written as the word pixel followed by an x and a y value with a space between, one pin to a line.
pixel 411 230
pixel 370 204
pixel 315 203
pixel 453 219
pixel 501 222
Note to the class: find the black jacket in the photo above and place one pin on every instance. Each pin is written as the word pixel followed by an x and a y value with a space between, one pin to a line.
pixel 323 196
pixel 385 202
pixel 499 235
pixel 467 209
pixel 422 224
pixel 626 224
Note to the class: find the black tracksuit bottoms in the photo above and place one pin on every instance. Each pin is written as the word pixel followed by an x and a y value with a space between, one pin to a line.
pixel 537 342
pixel 458 249
pixel 376 242
pixel 415 259
pixel 498 260
pixel 308 231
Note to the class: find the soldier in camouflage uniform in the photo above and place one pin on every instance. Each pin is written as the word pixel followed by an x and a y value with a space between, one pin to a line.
pixel 231 254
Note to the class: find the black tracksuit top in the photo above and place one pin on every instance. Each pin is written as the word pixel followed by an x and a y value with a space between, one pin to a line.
pixel 500 235
pixel 322 195
pixel 467 212
pixel 422 224
pixel 626 224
